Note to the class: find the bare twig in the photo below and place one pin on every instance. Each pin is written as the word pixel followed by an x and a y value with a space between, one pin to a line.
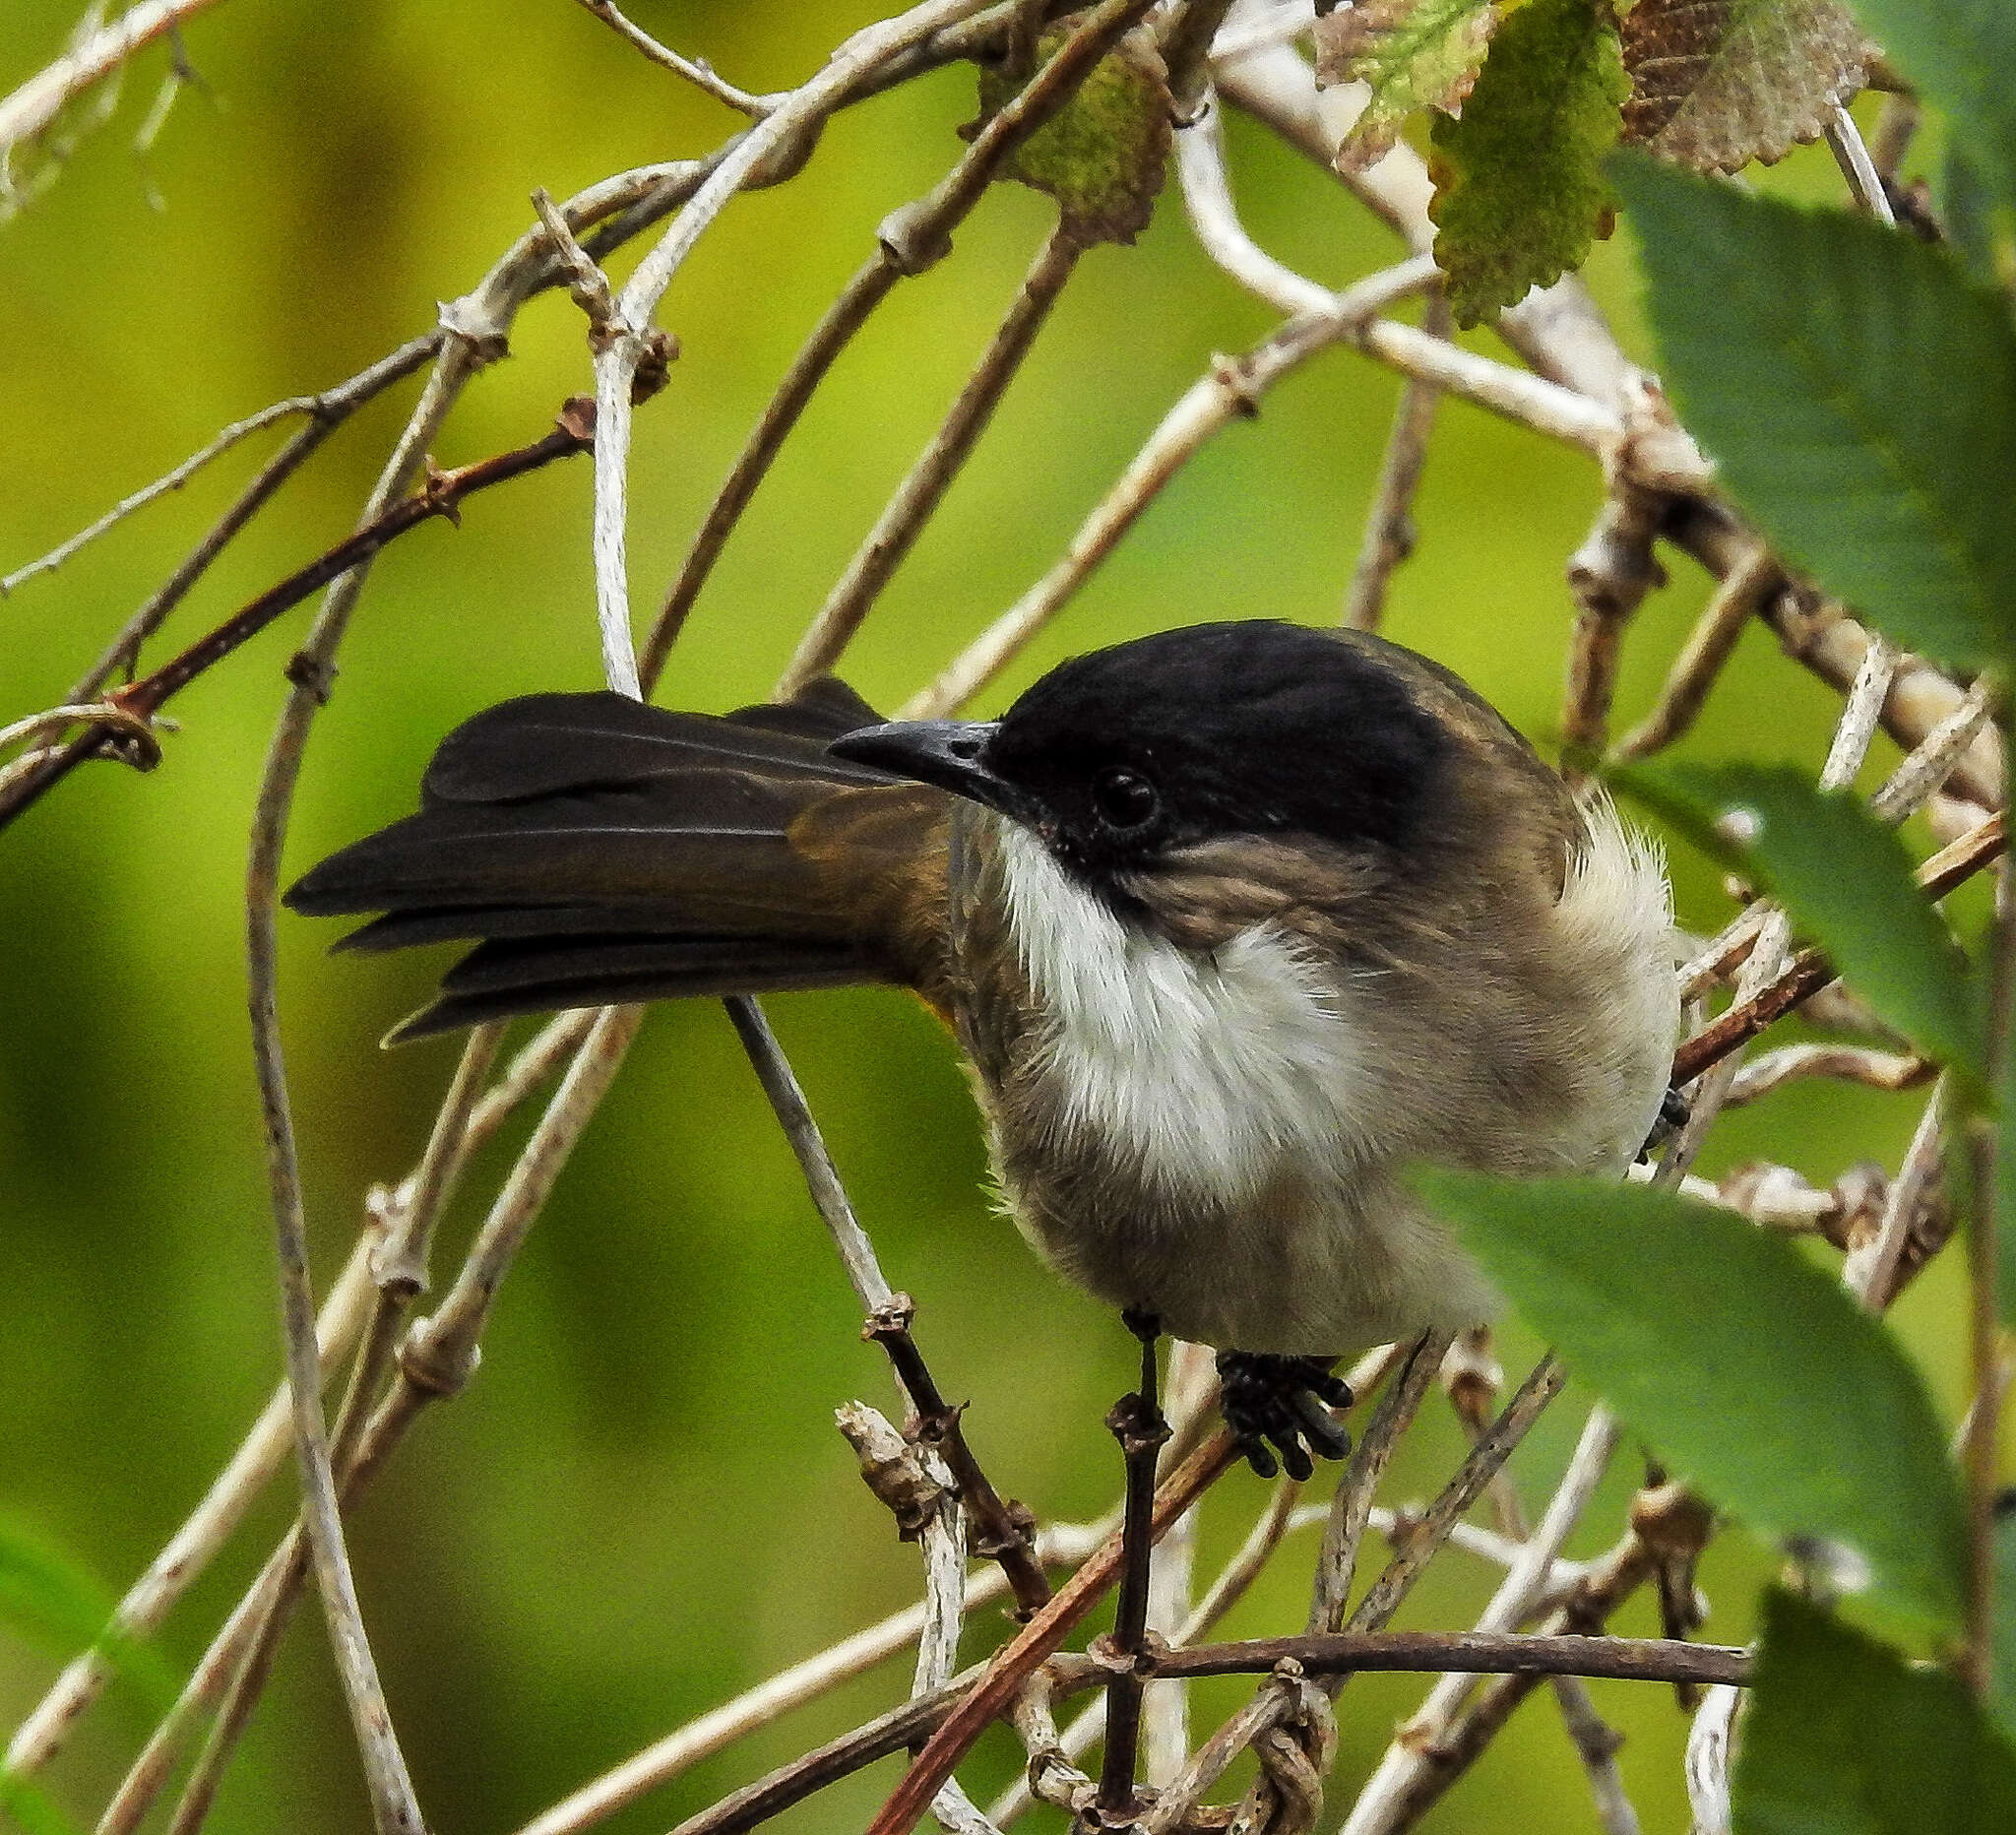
pixel 1809 971
pixel 1611 574
pixel 1136 1422
pixel 1709 645
pixel 696 70
pixel 1004 1533
pixel 904 517
pixel 909 241
pixel 1889 1071
pixel 1389 535
pixel 43 97
pixel 1476 1653
pixel 1707 1763
pixel 630 339
pixel 1229 390
pixel 1845 142
pixel 1870 1272
pixel 1004 1673
pixel 442 497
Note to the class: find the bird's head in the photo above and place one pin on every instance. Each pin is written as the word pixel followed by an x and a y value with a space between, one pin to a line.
pixel 1130 761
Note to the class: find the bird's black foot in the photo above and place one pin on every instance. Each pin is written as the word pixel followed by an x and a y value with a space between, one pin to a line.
pixel 1268 1398
pixel 1675 1113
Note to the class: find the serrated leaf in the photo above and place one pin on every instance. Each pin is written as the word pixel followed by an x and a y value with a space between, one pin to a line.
pixel 1848 883
pixel 1859 392
pixel 1716 84
pixel 1843 1737
pixel 1520 192
pixel 1744 1366
pixel 1103 154
pixel 1412 54
pixel 1961 55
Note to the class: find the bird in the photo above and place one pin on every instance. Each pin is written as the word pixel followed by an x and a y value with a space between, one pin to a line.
pixel 1236 924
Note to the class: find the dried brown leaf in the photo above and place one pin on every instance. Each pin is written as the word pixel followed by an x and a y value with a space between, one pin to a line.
pixel 1716 84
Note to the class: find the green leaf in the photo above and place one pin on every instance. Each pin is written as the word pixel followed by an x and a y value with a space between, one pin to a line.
pixel 1859 392
pixel 1411 53
pixel 2002 1674
pixel 1519 184
pixel 1716 84
pixel 1744 1366
pixel 1967 213
pixel 49 1601
pixel 1103 154
pixel 1960 56
pixel 1848 883
pixel 1845 1737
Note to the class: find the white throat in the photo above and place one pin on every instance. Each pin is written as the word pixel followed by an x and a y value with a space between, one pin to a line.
pixel 1210 1077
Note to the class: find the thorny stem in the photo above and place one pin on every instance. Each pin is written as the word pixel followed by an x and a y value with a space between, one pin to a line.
pixel 441 498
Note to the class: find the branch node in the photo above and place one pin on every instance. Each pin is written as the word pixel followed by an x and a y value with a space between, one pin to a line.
pixel 471 324
pixel 892 1319
pixel 660 348
pixel 315 673
pixel 914 237
pixel 1235 376
pixel 441 1368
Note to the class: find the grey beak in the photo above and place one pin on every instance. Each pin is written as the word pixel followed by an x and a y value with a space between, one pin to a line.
pixel 949 753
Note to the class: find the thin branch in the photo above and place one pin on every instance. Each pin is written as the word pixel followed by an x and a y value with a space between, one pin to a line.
pixel 1709 645
pixel 1611 574
pixel 1476 1653
pixel 1845 142
pixel 1382 1599
pixel 441 498
pixel 904 517
pixel 1889 1071
pixel 1011 1664
pixel 315 406
pixel 1871 1273
pixel 631 340
pixel 910 241
pixel 1004 1535
pixel 30 108
pixel 1230 390
pixel 1811 970
pixel 696 71
pixel 1389 537
pixel 1708 1761
pixel 1136 1422
pixel 1350 1505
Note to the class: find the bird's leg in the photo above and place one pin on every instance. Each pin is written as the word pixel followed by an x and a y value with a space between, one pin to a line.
pixel 1268 1398
pixel 1137 1422
pixel 1675 1113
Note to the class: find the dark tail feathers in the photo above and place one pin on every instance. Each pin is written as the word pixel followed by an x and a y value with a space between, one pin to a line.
pixel 606 851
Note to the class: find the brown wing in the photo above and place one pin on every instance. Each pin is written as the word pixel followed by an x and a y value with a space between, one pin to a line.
pixel 606 851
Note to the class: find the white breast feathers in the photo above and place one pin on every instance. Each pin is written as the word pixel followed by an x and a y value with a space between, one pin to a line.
pixel 1201 1074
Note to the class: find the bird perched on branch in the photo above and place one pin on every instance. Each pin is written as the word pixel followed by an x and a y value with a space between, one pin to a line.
pixel 1234 923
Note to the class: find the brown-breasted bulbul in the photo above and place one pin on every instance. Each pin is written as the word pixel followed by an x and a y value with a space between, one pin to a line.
pixel 1234 923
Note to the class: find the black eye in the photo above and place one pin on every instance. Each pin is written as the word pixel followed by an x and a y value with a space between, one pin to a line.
pixel 1124 799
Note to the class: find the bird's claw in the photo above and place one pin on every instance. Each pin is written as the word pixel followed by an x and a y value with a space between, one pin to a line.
pixel 1282 1401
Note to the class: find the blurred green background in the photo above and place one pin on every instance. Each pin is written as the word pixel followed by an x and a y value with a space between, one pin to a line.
pixel 640 1506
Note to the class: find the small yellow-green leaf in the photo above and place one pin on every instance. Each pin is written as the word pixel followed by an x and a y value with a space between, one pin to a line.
pixel 49 1601
pixel 1847 881
pixel 1746 1368
pixel 1103 154
pixel 1843 1737
pixel 1411 55
pixel 1520 192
